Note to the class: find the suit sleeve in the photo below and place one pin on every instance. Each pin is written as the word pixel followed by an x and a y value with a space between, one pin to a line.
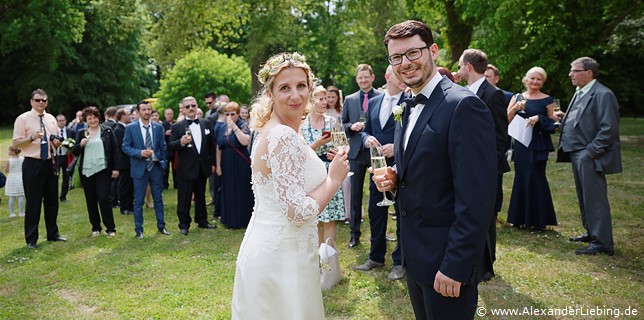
pixel 174 143
pixel 472 153
pixel 77 149
pixel 606 114
pixel 127 146
pixel 498 108
pixel 346 119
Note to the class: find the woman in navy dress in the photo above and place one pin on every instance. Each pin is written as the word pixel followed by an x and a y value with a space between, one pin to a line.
pixel 233 166
pixel 531 201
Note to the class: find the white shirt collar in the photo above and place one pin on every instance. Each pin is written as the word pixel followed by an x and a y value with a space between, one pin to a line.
pixel 431 85
pixel 476 85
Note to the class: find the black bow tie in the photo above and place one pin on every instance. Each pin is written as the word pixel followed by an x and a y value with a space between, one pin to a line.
pixel 419 99
pixel 195 121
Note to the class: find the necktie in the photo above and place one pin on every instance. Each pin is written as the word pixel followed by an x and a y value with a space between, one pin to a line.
pixel 44 146
pixel 419 99
pixel 195 121
pixel 365 102
pixel 148 145
pixel 576 96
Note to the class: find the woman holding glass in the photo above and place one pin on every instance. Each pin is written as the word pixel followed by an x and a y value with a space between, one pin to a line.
pixel 531 201
pixel 233 166
pixel 97 150
pixel 316 130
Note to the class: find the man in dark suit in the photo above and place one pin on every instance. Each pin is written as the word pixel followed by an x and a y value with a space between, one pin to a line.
pixel 196 163
pixel 472 66
pixel 445 179
pixel 144 143
pixel 62 157
pixel 353 119
pixel 168 116
pixel 379 131
pixel 493 77
pixel 125 187
pixel 110 114
pixel 590 140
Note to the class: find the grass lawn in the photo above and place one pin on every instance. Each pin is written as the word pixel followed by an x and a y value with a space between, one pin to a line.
pixel 179 277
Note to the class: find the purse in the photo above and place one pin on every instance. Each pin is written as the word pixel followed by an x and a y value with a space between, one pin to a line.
pixel 330 274
pixel 509 154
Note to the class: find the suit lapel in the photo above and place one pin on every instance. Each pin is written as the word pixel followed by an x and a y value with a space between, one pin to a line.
pixel 482 89
pixel 584 102
pixel 375 113
pixel 434 101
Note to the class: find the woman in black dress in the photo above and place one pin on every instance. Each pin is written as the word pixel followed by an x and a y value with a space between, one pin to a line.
pixel 531 201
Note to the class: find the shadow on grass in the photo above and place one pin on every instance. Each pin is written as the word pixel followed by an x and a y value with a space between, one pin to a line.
pixel 496 294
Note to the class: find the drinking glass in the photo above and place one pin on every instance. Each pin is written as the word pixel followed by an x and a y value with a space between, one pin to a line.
pixel 522 101
pixel 339 137
pixel 557 109
pixel 189 133
pixel 379 166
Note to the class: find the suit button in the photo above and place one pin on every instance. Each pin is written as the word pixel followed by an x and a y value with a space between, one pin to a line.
pixel 403 213
pixel 402 185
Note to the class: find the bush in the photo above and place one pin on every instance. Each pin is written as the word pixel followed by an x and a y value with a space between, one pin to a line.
pixel 202 71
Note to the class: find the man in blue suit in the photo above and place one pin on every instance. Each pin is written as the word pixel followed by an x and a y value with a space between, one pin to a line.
pixel 144 143
pixel 379 131
pixel 445 182
pixel 353 119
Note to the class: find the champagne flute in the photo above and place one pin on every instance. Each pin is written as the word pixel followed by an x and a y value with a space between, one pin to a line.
pixel 189 133
pixel 521 100
pixel 41 131
pixel 339 137
pixel 363 116
pixel 379 166
pixel 557 109
pixel 87 133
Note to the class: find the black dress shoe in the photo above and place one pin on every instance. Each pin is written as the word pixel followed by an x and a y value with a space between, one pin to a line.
pixel 354 242
pixel 164 231
pixel 32 245
pixel 582 238
pixel 57 238
pixel 488 276
pixel 184 231
pixel 207 226
pixel 594 250
pixel 63 199
pixel 139 235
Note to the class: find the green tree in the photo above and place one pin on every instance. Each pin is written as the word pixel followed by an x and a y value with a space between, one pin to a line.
pixel 202 71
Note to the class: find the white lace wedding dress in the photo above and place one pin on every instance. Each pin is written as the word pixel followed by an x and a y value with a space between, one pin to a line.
pixel 278 275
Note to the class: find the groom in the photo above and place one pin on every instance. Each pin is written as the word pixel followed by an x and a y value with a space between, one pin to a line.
pixel 445 179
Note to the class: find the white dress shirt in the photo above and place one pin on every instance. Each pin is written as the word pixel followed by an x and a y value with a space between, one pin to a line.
pixel 388 103
pixel 414 113
pixel 195 131
pixel 476 85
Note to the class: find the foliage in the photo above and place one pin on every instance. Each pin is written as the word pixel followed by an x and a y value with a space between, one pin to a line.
pixel 81 52
pixel 202 71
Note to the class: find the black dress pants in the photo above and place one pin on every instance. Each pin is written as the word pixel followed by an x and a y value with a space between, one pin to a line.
pixel 97 194
pixel 41 187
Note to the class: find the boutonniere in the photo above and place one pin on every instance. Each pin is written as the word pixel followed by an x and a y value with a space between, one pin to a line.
pixel 398 111
pixel 207 131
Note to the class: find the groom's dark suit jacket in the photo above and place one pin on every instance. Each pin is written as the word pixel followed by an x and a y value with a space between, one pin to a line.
pixel 447 180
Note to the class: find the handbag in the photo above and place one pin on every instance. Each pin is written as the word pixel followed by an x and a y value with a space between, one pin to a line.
pixel 330 274
pixel 3 180
pixel 509 154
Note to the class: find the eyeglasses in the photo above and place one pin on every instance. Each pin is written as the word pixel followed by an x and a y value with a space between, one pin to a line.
pixel 188 106
pixel 576 70
pixel 230 113
pixel 411 54
pixel 40 100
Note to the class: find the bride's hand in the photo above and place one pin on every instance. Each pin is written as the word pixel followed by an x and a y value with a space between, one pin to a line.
pixel 339 167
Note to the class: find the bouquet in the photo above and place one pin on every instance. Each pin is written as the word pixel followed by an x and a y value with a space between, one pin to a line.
pixel 68 144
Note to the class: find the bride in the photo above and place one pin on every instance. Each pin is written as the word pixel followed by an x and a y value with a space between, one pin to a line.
pixel 277 275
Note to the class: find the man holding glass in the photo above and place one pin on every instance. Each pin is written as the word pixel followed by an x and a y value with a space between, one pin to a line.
pixel 445 179
pixel 379 131
pixel 353 119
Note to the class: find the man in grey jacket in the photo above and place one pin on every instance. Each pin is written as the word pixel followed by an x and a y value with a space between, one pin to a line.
pixel 590 140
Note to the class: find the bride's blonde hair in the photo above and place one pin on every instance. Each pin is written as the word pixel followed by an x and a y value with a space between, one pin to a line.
pixel 273 66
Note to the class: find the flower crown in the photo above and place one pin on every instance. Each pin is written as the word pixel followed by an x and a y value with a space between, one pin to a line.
pixel 265 72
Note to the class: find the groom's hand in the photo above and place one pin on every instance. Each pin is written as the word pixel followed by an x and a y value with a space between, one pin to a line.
pixel 386 182
pixel 447 286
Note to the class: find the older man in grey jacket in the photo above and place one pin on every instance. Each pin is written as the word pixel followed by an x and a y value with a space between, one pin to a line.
pixel 590 140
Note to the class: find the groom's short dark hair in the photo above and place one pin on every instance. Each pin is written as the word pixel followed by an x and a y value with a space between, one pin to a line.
pixel 408 29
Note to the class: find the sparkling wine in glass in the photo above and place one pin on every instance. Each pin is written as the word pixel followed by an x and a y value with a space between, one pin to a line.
pixel 557 109
pixel 379 166
pixel 189 133
pixel 87 133
pixel 521 100
pixel 339 137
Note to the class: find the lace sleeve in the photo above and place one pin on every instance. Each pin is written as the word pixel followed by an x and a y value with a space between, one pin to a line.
pixel 286 158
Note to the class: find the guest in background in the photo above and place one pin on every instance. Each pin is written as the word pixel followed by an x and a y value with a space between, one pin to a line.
pixel 531 202
pixel 63 156
pixel 209 100
pixel 316 130
pixel 168 115
pixel 353 111
pixel 233 166
pixel 98 151
pixel 77 123
pixel 244 114
pixel 122 164
pixel 110 117
pixel 14 188
pixel 196 162
pixel 492 76
pixel 334 110
pixel 445 72
pixel 31 132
